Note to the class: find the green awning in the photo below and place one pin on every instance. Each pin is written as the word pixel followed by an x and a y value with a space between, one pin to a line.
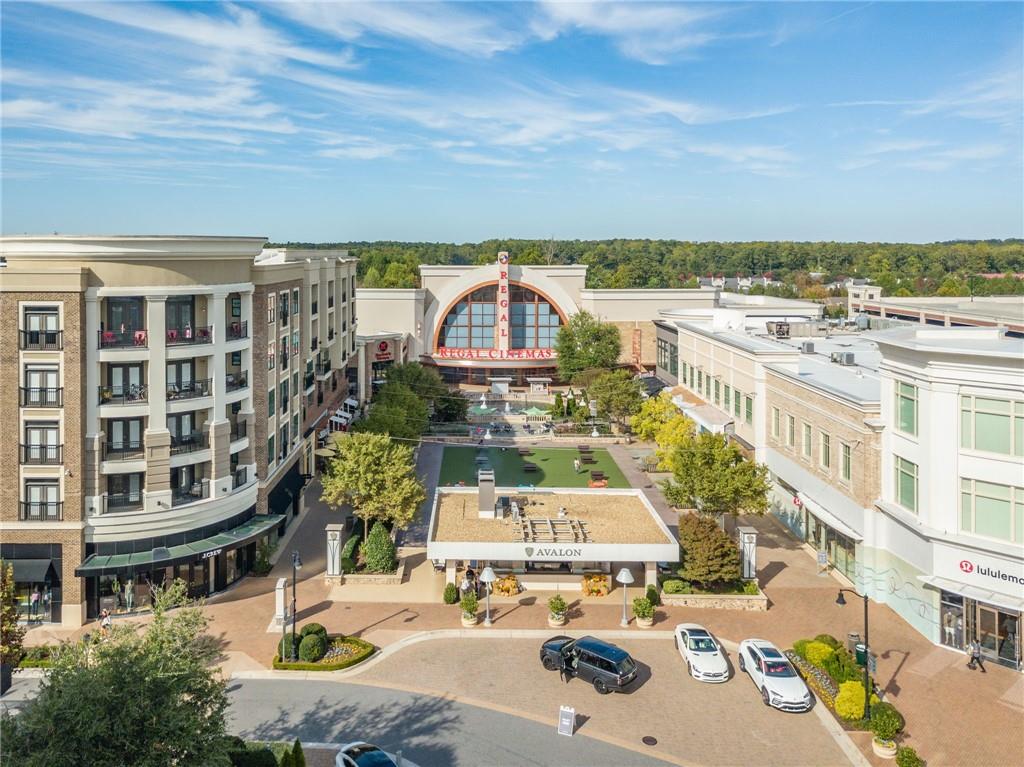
pixel 535 411
pixel 30 570
pixel 108 564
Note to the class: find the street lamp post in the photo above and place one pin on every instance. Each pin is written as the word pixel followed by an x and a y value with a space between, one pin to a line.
pixel 624 578
pixel 841 601
pixel 487 577
pixel 296 565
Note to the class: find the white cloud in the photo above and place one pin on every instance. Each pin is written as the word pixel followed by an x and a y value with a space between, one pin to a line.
pixel 474 158
pixel 906 145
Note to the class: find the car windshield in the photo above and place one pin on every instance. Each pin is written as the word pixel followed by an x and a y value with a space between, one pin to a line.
pixel 626 666
pixel 702 644
pixel 779 668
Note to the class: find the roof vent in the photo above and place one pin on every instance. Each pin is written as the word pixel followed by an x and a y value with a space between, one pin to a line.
pixel 807 347
pixel 843 358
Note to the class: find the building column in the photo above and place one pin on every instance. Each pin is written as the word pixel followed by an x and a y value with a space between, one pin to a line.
pixel 157 437
pixel 650 574
pixel 92 486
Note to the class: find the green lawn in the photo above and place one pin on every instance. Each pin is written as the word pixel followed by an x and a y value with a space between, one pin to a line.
pixel 554 467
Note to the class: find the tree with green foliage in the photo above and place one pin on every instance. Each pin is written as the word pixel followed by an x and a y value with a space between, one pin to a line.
pixel 378 551
pixel 654 413
pixel 586 343
pixel 395 410
pixel 618 395
pixel 298 757
pixel 711 475
pixel 424 381
pixel 11 633
pixel 677 432
pixel 148 696
pixel 708 555
pixel 377 477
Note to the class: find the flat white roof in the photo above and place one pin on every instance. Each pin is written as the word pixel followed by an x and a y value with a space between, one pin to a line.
pixel 985 342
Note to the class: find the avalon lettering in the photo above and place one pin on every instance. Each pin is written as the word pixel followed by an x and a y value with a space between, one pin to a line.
pixel 543 552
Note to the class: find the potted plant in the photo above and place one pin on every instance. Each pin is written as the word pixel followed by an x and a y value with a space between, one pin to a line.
pixel 105 395
pixel 643 611
pixel 469 607
pixel 886 724
pixel 556 611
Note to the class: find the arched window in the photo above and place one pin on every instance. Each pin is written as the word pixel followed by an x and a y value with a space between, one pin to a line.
pixel 533 321
pixel 472 323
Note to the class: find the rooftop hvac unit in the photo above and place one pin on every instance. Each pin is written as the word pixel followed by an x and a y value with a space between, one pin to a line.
pixel 485 491
pixel 843 358
pixel 781 329
pixel 807 347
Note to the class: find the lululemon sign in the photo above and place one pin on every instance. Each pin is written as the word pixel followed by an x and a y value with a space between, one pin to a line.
pixel 980 569
pixel 503 295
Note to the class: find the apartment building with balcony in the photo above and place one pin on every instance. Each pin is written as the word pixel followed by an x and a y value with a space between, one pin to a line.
pixel 135 385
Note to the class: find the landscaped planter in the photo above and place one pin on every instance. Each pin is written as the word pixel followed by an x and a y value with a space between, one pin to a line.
pixel 554 621
pixel 380 579
pixel 645 623
pixel 360 651
pixel 886 749
pixel 468 621
pixel 756 601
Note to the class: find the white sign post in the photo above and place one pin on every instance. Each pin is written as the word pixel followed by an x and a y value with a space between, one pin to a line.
pixel 279 608
pixel 566 720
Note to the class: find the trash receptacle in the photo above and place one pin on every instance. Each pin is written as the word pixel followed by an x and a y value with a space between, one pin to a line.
pixel 852 639
pixel 862 653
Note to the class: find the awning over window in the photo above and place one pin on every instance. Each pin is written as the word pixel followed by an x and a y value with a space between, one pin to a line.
pixel 351 402
pixel 1005 601
pixel 30 570
pixel 109 564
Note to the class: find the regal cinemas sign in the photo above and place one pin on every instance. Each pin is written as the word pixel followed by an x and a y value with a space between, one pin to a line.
pixel 498 355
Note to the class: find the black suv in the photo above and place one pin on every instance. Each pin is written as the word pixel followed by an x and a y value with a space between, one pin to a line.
pixel 604 665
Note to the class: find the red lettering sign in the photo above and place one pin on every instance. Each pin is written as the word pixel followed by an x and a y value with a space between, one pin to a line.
pixel 446 352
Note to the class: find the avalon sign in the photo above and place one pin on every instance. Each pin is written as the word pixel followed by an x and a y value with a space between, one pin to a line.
pixel 557 553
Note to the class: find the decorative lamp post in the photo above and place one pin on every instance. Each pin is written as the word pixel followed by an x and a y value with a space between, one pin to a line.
pixel 296 566
pixel 624 578
pixel 841 601
pixel 487 577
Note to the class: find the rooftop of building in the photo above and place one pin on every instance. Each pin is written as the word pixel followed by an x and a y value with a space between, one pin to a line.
pixel 128 247
pixel 607 516
pixel 995 308
pixel 299 255
pixel 984 342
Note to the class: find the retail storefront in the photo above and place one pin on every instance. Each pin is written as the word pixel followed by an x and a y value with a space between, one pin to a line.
pixel 37 584
pixel 119 576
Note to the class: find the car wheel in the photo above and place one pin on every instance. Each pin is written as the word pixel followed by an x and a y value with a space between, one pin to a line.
pixel 764 696
pixel 549 663
pixel 743 666
pixel 601 687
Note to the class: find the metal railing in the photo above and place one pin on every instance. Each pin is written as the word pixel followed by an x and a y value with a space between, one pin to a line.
pixel 330 334
pixel 239 478
pixel 190 389
pixel 42 511
pixel 115 339
pixel 236 382
pixel 313 343
pixel 188 444
pixel 113 502
pixel 42 455
pixel 35 397
pixel 187 335
pixel 196 492
pixel 45 340
pixel 238 330
pixel 123 395
pixel 239 430
pixel 324 368
pixel 122 451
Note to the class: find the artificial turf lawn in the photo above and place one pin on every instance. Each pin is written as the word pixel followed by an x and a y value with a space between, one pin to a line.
pixel 554 467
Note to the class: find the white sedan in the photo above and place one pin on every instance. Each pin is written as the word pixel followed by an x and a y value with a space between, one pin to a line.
pixel 360 754
pixel 772 673
pixel 701 652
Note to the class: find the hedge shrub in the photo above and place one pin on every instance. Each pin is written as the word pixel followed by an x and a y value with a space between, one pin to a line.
pixel 363 651
pixel 451 594
pixel 312 648
pixel 253 755
pixel 677 587
pixel 348 551
pixel 800 647
pixel 652 595
pixel 830 640
pixel 817 653
pixel 642 608
pixel 284 647
pixel 348 565
pixel 850 701
pixel 313 628
pixel 907 757
pixel 379 554
pixel 886 721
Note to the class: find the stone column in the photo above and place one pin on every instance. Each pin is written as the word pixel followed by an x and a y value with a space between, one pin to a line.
pixel 157 437
pixel 91 481
pixel 650 574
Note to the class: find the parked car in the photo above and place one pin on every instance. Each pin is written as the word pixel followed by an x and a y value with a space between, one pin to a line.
pixel 603 665
pixel 772 673
pixel 360 754
pixel 701 652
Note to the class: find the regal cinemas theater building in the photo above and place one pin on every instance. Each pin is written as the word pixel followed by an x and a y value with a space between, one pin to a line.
pixel 500 320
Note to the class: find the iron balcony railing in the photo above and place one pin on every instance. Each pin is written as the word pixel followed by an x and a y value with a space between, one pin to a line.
pixel 238 430
pixel 196 492
pixel 238 330
pixel 324 368
pixel 190 389
pixel 42 455
pixel 119 339
pixel 239 478
pixel 188 335
pixel 122 451
pixel 237 381
pixel 123 395
pixel 36 397
pixel 114 502
pixel 45 340
pixel 42 511
pixel 188 444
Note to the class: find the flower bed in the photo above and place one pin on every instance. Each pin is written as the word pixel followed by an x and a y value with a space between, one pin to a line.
pixel 507 586
pixel 342 652
pixel 595 585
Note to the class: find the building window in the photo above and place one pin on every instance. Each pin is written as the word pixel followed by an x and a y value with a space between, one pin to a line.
pixel 776 419
pixel 314 302
pixel 994 511
pixel 42 498
pixel 700 381
pixel 271 357
pixel 736 403
pixel 718 391
pixel 668 357
pixel 282 308
pixel 825 450
pixel 271 309
pixel 992 425
pixel 295 426
pixel 295 383
pixel 847 466
pixel 284 441
pixel 691 376
pixel 296 307
pixel 790 430
pixel 270 403
pixel 748 414
pixel 236 306
pixel 727 398
pixel 906 483
pixel 284 396
pixel 807 441
pixel 906 408
pixel 42 327
pixel 271 455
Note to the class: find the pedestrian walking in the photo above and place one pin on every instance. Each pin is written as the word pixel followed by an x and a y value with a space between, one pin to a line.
pixel 105 621
pixel 34 603
pixel 576 465
pixel 975 651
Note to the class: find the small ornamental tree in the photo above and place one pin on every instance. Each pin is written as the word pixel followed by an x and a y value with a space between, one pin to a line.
pixel 617 394
pixel 654 413
pixel 379 551
pixel 711 475
pixel 395 410
pixel 709 555
pixel 585 343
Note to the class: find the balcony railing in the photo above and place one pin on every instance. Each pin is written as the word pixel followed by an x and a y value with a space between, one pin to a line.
pixel 323 369
pixel 238 330
pixel 238 430
pixel 42 455
pixel 111 339
pixel 313 343
pixel 123 395
pixel 45 340
pixel 34 397
pixel 196 492
pixel 239 478
pixel 188 444
pixel 187 336
pixel 330 334
pixel 236 381
pixel 190 389
pixel 42 511
pixel 123 451
pixel 129 501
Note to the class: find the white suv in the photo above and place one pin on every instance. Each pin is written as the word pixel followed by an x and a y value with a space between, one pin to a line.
pixel 772 673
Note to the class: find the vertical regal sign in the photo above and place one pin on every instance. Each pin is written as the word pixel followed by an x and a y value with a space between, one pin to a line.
pixel 503 301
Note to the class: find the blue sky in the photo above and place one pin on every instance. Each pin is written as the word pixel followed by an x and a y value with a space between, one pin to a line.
pixel 464 121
